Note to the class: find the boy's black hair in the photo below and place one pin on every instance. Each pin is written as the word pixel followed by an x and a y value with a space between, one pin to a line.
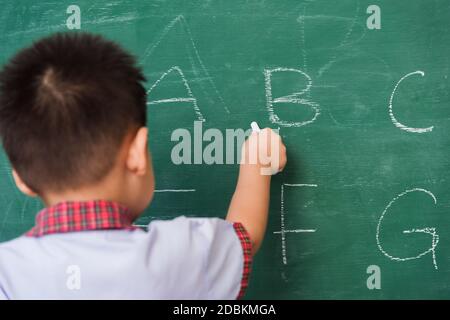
pixel 66 104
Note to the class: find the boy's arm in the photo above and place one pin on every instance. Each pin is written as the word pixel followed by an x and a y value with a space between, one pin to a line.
pixel 250 202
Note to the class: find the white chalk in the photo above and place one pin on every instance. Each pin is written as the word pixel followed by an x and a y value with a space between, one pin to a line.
pixel 427 230
pixel 255 127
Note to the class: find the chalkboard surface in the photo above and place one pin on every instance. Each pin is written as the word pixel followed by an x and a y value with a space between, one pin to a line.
pixel 363 208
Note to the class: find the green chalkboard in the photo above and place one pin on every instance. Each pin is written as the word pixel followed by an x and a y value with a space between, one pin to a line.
pixel 364 110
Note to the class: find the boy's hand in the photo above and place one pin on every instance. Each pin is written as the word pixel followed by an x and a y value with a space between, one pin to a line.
pixel 266 150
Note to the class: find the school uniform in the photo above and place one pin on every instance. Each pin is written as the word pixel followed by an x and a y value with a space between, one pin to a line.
pixel 91 250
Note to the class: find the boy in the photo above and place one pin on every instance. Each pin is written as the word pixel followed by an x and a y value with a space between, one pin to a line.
pixel 73 124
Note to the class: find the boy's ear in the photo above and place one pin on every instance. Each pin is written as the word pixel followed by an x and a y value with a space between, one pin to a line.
pixel 22 185
pixel 138 153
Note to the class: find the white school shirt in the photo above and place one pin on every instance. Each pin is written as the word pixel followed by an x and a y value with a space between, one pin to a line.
pixel 183 258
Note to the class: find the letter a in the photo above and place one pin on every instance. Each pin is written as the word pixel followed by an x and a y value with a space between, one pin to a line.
pixel 374 20
pixel 74 279
pixel 374 280
pixel 74 20
pixel 189 95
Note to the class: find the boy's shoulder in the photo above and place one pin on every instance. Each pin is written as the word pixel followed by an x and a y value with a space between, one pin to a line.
pixel 11 246
pixel 183 251
pixel 157 230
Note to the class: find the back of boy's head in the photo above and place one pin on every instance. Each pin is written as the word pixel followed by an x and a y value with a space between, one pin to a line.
pixel 66 105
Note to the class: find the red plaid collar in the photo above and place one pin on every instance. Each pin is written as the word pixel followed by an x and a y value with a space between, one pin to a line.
pixel 72 216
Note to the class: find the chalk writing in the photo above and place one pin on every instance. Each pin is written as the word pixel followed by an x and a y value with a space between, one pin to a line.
pixel 428 230
pixel 295 98
pixel 391 112
pixel 283 230
pixel 189 98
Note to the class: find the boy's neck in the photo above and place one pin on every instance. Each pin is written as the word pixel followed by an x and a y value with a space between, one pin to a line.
pixel 97 192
